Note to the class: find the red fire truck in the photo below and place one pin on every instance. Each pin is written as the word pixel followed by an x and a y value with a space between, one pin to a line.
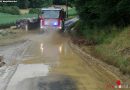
pixel 52 17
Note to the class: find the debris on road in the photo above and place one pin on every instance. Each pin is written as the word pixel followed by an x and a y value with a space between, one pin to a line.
pixel 6 72
pixel 2 63
pixel 82 41
pixel 1 58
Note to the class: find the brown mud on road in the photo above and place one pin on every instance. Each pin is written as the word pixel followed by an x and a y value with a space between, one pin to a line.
pixel 67 69
pixel 10 36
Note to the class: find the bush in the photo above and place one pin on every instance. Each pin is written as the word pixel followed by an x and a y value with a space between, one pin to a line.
pixel 72 12
pixel 104 12
pixel 10 10
pixel 114 49
pixel 2 26
pixel 34 11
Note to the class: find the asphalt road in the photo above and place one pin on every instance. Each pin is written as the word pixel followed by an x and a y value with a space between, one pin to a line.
pixel 48 61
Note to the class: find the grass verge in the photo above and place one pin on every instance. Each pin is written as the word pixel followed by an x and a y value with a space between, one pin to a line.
pixel 117 52
pixel 7 19
pixel 72 12
pixel 113 46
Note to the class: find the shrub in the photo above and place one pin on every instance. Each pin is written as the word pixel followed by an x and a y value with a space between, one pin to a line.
pixel 2 26
pixel 34 11
pixel 10 10
pixel 72 12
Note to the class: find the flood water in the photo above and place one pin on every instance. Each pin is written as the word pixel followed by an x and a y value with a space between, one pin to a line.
pixel 66 69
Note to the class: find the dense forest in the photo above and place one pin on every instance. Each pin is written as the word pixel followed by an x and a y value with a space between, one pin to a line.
pixel 36 3
pixel 29 3
pixel 104 12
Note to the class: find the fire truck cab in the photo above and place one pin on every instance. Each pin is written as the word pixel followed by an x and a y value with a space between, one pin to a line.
pixel 52 17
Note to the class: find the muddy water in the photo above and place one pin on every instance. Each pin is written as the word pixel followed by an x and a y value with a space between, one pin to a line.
pixel 67 70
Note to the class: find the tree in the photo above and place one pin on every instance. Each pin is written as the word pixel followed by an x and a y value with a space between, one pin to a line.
pixel 104 12
pixel 63 2
pixel 23 4
pixel 30 3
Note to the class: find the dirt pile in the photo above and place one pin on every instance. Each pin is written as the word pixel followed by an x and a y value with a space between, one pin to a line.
pixel 82 41
pixel 125 51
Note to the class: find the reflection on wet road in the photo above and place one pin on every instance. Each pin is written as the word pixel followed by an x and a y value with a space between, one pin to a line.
pixel 66 69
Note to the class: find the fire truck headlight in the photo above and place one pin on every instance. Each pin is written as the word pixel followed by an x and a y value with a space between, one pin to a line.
pixel 55 23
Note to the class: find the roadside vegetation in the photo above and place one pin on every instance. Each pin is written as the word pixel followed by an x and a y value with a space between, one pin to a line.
pixel 34 11
pixel 72 12
pixel 14 10
pixel 7 20
pixel 25 4
pixel 116 51
pixel 107 24
pixel 113 48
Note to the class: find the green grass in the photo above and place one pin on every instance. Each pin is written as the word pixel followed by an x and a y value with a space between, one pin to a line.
pixel 72 12
pixel 8 18
pixel 117 51
pixel 113 45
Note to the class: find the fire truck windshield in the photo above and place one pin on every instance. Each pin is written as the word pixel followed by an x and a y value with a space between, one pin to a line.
pixel 51 13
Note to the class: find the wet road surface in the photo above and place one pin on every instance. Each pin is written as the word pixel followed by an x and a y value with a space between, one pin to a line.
pixel 49 63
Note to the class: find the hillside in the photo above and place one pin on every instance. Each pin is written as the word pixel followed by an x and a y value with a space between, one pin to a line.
pixel 115 52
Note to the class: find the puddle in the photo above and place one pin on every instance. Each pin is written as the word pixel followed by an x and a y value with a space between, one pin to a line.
pixel 55 82
pixel 46 48
pixel 13 53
